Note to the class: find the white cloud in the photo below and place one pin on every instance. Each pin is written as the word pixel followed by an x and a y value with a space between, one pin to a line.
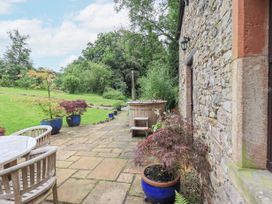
pixel 71 36
pixel 68 60
pixel 6 5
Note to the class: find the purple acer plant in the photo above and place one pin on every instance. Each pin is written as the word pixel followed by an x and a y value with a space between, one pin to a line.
pixel 77 107
pixel 164 145
pixel 173 147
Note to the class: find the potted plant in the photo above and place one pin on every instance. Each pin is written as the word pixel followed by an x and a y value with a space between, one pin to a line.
pixel 118 106
pixel 2 131
pixel 162 179
pixel 74 110
pixel 111 116
pixel 169 149
pixel 49 106
pixel 54 111
pixel 115 112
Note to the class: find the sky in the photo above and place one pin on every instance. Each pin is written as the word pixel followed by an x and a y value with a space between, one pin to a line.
pixel 58 29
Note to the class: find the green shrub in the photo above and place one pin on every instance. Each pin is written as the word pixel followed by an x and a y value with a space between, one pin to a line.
pixel 93 77
pixel 26 82
pixel 5 81
pixel 117 104
pixel 157 84
pixel 111 93
pixel 70 83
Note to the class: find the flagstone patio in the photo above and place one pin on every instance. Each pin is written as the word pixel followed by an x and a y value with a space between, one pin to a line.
pixel 94 164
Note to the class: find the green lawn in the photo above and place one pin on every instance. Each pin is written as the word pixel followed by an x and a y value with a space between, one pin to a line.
pixel 18 110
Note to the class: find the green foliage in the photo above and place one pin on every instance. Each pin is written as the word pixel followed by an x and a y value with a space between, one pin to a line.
pixel 86 76
pixel 47 76
pixel 158 84
pixel 156 18
pixel 152 16
pixel 156 127
pixel 124 51
pixel 17 57
pixel 113 94
pixel 50 108
pixel 5 81
pixel 26 81
pixel 117 104
pixel 179 199
pixel 70 83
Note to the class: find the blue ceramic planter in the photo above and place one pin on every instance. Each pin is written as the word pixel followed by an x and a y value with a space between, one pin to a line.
pixel 55 123
pixel 111 115
pixel 162 193
pixel 73 120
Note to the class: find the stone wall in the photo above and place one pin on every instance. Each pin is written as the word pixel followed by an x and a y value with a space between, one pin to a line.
pixel 208 23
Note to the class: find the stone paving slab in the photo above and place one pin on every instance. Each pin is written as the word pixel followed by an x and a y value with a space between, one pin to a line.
pixel 125 178
pixel 63 164
pixel 81 174
pixel 75 190
pixel 136 189
pixel 109 169
pixel 94 164
pixel 64 174
pixel 63 155
pixel 86 163
pixel 108 192
pixel 134 200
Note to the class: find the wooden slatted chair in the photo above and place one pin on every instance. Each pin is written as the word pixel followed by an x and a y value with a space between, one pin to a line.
pixel 41 133
pixel 30 182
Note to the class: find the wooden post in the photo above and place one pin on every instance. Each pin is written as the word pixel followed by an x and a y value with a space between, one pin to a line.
pixel 133 90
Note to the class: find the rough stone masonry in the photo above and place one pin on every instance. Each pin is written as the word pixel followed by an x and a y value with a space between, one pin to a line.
pixel 208 23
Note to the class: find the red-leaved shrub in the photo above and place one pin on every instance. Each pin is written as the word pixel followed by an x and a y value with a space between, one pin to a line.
pixel 174 147
pixel 165 145
pixel 77 107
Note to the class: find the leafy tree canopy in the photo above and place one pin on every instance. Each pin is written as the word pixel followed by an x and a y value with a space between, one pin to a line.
pixel 16 61
pixel 124 51
pixel 158 18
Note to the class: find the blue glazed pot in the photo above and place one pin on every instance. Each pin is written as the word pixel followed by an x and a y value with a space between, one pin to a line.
pixel 159 192
pixel 73 120
pixel 55 123
pixel 111 115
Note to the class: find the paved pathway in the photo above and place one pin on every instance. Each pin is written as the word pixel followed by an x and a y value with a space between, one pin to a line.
pixel 94 164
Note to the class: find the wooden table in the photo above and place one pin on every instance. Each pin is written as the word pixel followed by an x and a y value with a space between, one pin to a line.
pixel 14 147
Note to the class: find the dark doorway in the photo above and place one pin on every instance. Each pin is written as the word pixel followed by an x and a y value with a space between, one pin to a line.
pixel 269 141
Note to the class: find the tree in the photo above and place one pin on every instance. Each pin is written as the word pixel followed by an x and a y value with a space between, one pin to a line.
pixel 124 51
pixel 47 76
pixel 153 17
pixel 85 76
pixel 149 16
pixel 70 83
pixel 157 84
pixel 17 56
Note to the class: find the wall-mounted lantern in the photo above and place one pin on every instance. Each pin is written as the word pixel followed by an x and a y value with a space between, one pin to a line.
pixel 184 43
